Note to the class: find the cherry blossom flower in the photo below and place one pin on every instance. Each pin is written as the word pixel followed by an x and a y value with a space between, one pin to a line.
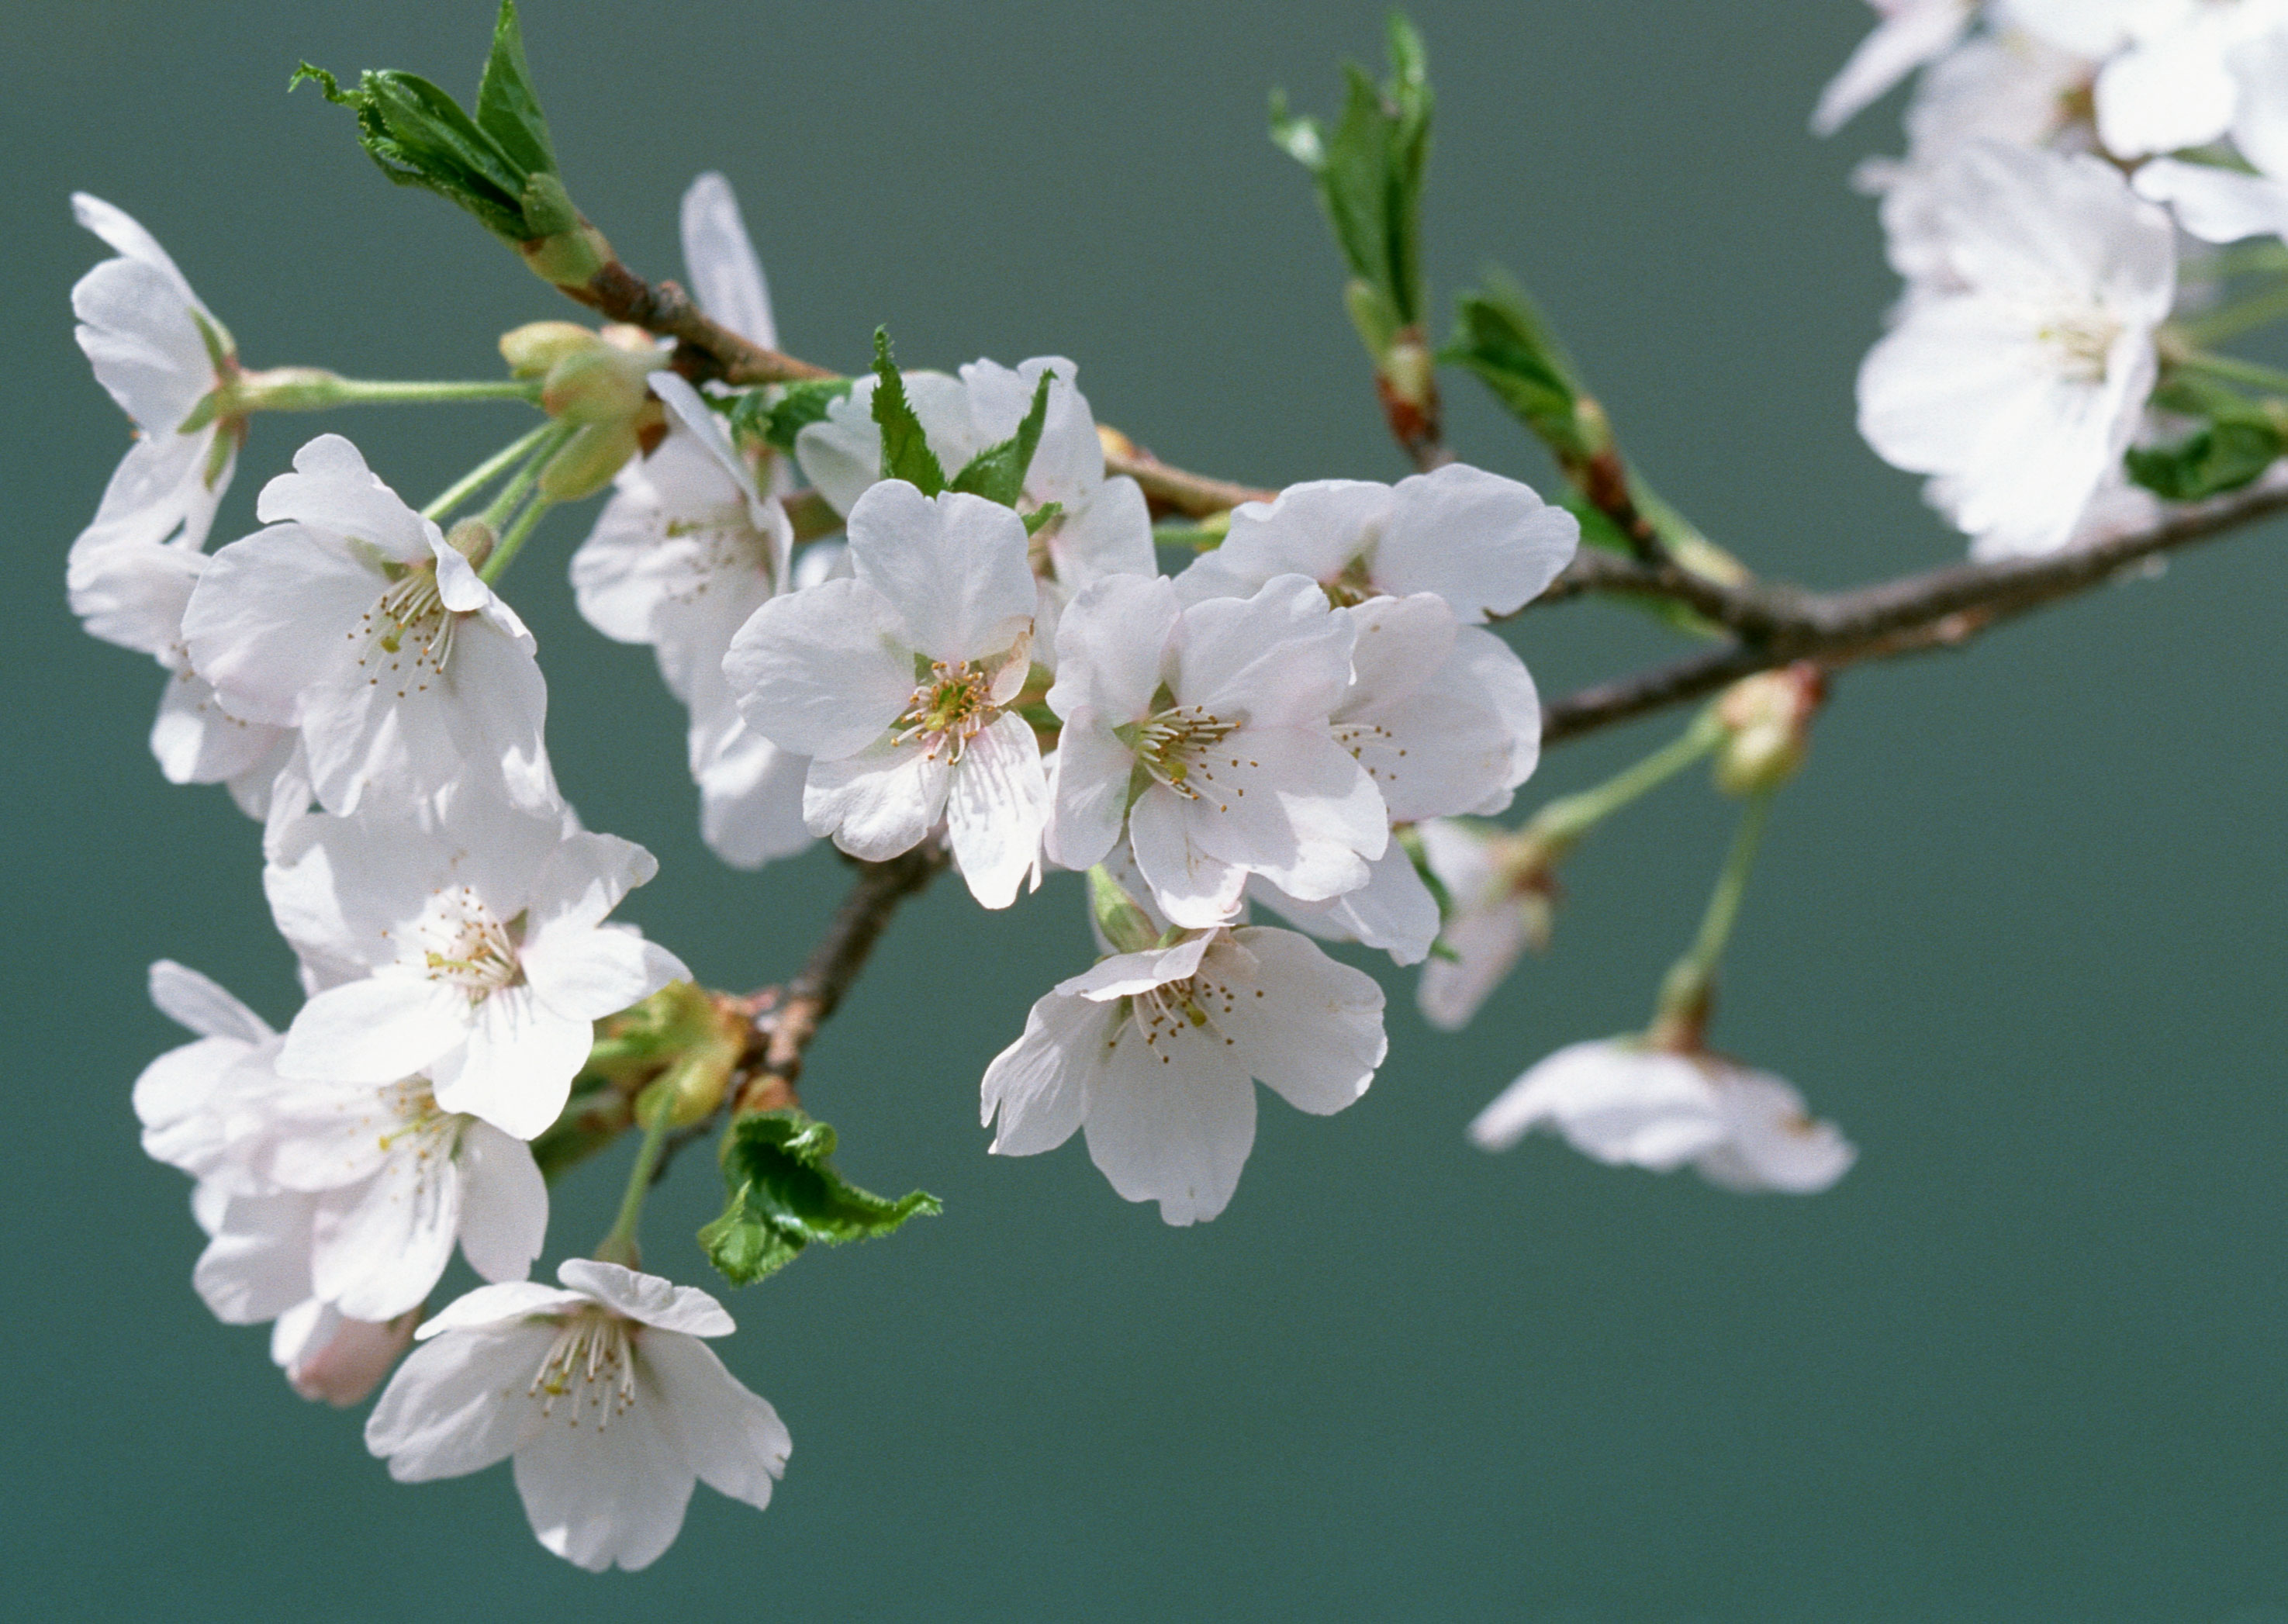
pixel 1628 1105
pixel 2223 205
pixel 1151 1054
pixel 1445 720
pixel 350 619
pixel 478 955
pixel 1486 544
pixel 897 684
pixel 604 1393
pixel 1208 729
pixel 1103 528
pixel 162 356
pixel 2167 83
pixel 1912 32
pixel 1497 915
pixel 179 1096
pixel 684 553
pixel 2020 386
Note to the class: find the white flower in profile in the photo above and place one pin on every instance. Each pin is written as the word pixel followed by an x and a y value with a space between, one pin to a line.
pixel 160 355
pixel 1912 32
pixel 1486 544
pixel 726 276
pixel 338 1360
pixel 897 682
pixel 478 954
pixel 686 551
pixel 1497 913
pixel 1151 1054
pixel 1104 527
pixel 2223 205
pixel 1445 720
pixel 350 619
pixel 1626 1104
pixel 1208 730
pixel 2019 387
pixel 2167 83
pixel 604 1393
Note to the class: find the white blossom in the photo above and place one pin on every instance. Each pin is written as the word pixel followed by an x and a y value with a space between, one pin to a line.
pixel 1628 1105
pixel 685 552
pixel 604 1393
pixel 897 684
pixel 159 353
pixel 478 954
pixel 2223 205
pixel 726 276
pixel 2167 82
pixel 2019 387
pixel 1151 1054
pixel 1912 32
pixel 1486 544
pixel 350 619
pixel 339 1360
pixel 1104 527
pixel 1221 711
pixel 1496 918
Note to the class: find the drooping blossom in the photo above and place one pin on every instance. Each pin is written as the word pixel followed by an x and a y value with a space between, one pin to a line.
pixel 338 1360
pixel 1912 32
pixel 685 552
pixel 350 619
pixel 1207 730
pixel 1486 544
pixel 2223 205
pixel 605 1395
pixel 1151 1054
pixel 1103 526
pixel 1497 912
pixel 1445 720
pixel 726 276
pixel 1627 1105
pixel 477 954
pixel 2019 384
pixel 897 684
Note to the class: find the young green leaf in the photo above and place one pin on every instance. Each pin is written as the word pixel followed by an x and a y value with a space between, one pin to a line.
pixel 418 137
pixel 997 472
pixel 507 109
pixel 1500 335
pixel 785 1194
pixel 2224 455
pixel 798 406
pixel 906 453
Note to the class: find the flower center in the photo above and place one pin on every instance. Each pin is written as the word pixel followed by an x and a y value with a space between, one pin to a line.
pixel 408 634
pixel 591 1367
pixel 711 549
pixel 464 946
pixel 1353 586
pixel 1174 747
pixel 1168 1014
pixel 412 1111
pixel 2079 345
pixel 952 704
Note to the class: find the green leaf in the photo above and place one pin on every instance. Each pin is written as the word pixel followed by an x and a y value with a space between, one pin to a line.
pixel 798 407
pixel 1041 517
pixel 418 137
pixel 507 109
pixel 2224 456
pixel 785 1194
pixel 997 472
pixel 1370 173
pixel 906 453
pixel 1501 335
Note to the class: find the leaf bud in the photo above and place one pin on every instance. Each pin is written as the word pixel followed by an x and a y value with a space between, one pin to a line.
pixel 1767 728
pixel 533 348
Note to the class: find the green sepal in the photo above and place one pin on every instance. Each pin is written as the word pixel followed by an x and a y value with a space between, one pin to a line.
pixel 997 473
pixel 1042 517
pixel 1124 924
pixel 906 453
pixel 785 1194
pixel 1369 172
pixel 777 422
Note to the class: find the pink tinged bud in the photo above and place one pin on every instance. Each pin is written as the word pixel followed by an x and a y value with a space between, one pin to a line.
pixel 1768 721
pixel 604 383
pixel 532 349
pixel 350 1363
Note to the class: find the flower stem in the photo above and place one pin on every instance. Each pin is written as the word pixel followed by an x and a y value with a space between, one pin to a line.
pixel 620 1246
pixel 1684 996
pixel 513 538
pixel 313 389
pixel 2242 315
pixel 1561 825
pixel 545 446
pixel 484 473
pixel 2232 370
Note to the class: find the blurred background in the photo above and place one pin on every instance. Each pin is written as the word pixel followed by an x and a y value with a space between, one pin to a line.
pixel 2018 926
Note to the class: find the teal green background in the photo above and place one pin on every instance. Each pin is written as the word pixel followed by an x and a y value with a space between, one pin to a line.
pixel 2018 928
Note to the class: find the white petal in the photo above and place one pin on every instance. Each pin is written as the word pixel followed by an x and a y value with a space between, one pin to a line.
pixel 1314 1034
pixel 825 671
pixel 1317 529
pixel 1279 659
pixel 733 1438
pixel 195 741
pixel 580 881
pixel 504 1203
pixel 258 1265
pixel 1123 975
pixel 1618 1104
pixel 517 1068
pixel 996 808
pixel 725 277
pixel 2164 95
pixel 131 590
pixel 458 1403
pixel 504 1306
pixel 1192 886
pixel 1289 805
pixel 1772 1145
pixel 591 973
pixel 198 1004
pixel 1486 940
pixel 376 1030
pixel 1113 645
pixel 1910 37
pixel 342 1360
pixel 273 613
pixel 1486 544
pixel 1171 1122
pixel 2216 205
pixel 651 1298
pixel 879 803
pixel 333 492
pixel 953 568
pixel 125 235
pixel 1038 1086
pixel 1089 794
pixel 143 343
pixel 601 1495
pixel 380 1246
pixel 751 800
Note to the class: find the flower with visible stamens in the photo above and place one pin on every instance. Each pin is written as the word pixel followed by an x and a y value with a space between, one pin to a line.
pixel 479 954
pixel 604 1393
pixel 351 620
pixel 898 683
pixel 1152 1053
pixel 1205 731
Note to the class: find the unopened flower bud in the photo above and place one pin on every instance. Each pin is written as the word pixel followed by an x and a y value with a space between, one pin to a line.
pixel 1767 722
pixel 532 349
pixel 472 538
pixel 349 1363
pixel 1127 926
pixel 1409 372
pixel 599 384
pixel 588 461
